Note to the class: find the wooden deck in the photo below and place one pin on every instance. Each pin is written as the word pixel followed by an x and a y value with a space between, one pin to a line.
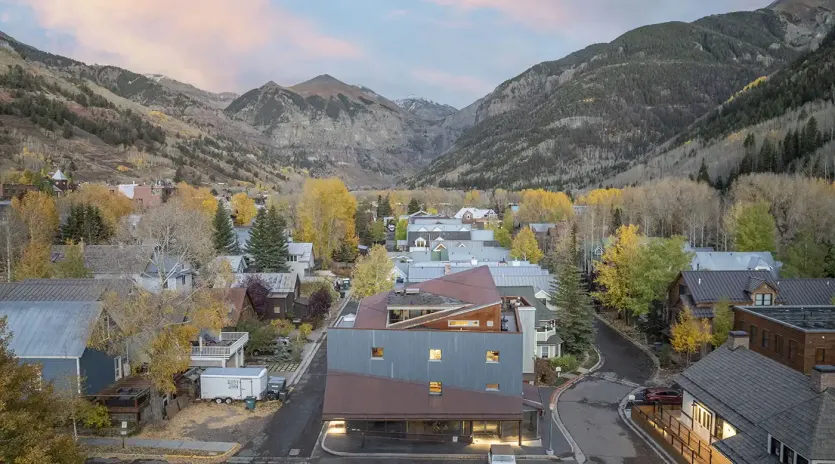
pixel 662 423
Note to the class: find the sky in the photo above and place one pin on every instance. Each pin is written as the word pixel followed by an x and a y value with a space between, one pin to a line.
pixel 450 51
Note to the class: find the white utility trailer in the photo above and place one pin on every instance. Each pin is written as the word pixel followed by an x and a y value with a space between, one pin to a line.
pixel 226 384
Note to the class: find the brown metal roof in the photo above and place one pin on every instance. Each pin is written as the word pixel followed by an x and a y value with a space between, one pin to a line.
pixel 357 396
pixel 474 287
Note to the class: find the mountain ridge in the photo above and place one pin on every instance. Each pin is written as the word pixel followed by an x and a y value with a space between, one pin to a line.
pixel 573 122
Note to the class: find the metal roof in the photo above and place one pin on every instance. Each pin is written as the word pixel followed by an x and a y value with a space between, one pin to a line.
pixel 503 275
pixel 63 289
pixel 733 261
pixel 49 329
pixel 711 286
pixel 542 228
pixel 804 318
pixel 234 371
pixel 278 282
pixel 817 292
pixel 477 213
pixel 302 249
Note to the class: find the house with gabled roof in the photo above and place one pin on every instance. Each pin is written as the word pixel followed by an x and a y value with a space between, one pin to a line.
pixel 749 409
pixel 442 359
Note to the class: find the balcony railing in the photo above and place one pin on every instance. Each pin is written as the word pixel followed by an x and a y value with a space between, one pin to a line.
pixel 237 339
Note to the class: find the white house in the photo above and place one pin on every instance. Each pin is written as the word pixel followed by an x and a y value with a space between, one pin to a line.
pixel 300 258
pixel 475 214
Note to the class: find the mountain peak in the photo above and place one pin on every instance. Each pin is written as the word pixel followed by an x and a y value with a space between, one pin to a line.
pixel 424 108
pixel 321 81
pixel 800 7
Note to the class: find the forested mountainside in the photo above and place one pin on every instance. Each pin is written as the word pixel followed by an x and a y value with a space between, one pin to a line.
pixel 126 126
pixel 577 121
pixel 784 123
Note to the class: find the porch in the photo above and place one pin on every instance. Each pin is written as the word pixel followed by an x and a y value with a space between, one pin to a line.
pixel 126 400
pixel 228 351
pixel 662 422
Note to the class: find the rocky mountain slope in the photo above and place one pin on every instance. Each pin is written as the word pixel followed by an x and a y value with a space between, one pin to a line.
pixel 423 108
pixel 576 121
pixel 270 134
pixel 326 124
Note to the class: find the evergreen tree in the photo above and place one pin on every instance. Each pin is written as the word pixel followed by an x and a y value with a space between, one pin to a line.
pixel 414 206
pixel 384 208
pixel 224 237
pixel 570 296
pixel 768 157
pixel 179 174
pixel 703 176
pixel 811 137
pixel 85 224
pixel 617 221
pixel 267 243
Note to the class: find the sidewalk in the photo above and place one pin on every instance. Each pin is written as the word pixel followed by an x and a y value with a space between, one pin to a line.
pixel 358 445
pixel 318 337
pixel 219 447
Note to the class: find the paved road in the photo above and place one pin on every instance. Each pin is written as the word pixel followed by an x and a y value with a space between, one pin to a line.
pixel 589 408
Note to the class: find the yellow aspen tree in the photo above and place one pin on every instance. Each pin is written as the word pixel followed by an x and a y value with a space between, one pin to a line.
pixel 40 214
pixel 525 246
pixel 243 208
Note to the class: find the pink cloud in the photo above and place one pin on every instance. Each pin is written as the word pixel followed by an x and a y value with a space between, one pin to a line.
pixel 207 43
pixel 539 14
pixel 454 82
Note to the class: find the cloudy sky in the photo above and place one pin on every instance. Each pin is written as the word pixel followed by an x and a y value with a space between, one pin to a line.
pixel 452 51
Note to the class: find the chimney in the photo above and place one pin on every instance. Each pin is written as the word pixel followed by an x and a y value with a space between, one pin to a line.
pixel 474 262
pixel 447 269
pixel 823 377
pixel 737 339
pixel 515 263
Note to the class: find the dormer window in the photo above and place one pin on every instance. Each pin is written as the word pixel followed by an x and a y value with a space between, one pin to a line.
pixel 763 299
pixel 420 242
pixel 436 229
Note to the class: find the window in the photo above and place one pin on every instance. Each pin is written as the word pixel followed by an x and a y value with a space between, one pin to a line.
pixel 435 388
pixel 183 281
pixel 766 337
pixel 723 429
pixel 492 356
pixel 788 455
pixel 774 447
pixel 543 352
pixel 377 352
pixel 462 323
pixel 792 350
pixel 802 460
pixel 820 355
pixel 778 344
pixel 752 335
pixel 434 355
pixel 293 258
pixel 763 299
pixel 117 367
pixel 701 415
pixel 493 387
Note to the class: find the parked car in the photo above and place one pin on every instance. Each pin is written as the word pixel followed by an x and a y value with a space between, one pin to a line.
pixel 662 395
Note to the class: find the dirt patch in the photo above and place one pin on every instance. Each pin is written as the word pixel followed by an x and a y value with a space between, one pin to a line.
pixel 214 422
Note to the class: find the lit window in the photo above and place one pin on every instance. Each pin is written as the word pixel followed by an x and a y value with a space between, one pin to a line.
pixel 434 355
pixel 377 352
pixel 820 355
pixel 492 356
pixel 435 388
pixel 493 387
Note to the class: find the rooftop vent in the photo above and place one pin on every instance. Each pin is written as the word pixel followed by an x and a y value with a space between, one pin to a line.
pixel 349 318
pixel 412 291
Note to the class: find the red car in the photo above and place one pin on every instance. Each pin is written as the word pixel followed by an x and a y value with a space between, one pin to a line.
pixel 662 395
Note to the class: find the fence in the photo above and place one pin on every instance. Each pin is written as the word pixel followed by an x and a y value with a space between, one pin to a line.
pixel 684 445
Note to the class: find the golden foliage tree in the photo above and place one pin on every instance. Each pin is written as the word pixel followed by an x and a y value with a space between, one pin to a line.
pixel 723 321
pixel 616 268
pixel 472 198
pixel 243 208
pixel 540 205
pixel 372 275
pixel 72 266
pixel 197 199
pixel 326 216
pixel 40 214
pixel 689 334
pixel 35 262
pixel 113 205
pixel 525 246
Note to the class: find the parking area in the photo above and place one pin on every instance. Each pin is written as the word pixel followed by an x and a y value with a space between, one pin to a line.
pixel 207 421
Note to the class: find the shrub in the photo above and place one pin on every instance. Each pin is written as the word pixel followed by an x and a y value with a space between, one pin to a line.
pixel 567 363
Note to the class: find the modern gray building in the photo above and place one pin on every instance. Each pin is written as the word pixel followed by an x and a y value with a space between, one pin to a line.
pixel 441 358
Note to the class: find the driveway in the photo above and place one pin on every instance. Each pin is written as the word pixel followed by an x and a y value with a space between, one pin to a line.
pixel 589 408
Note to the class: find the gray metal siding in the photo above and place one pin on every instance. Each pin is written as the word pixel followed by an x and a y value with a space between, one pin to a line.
pixel 61 371
pixel 98 370
pixel 406 357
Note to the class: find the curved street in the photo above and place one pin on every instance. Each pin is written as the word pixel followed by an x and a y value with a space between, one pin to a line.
pixel 589 408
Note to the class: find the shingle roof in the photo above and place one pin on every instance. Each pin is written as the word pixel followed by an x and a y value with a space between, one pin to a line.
pixel 711 286
pixel 752 392
pixel 552 340
pixel 63 289
pixel 53 328
pixel 808 428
